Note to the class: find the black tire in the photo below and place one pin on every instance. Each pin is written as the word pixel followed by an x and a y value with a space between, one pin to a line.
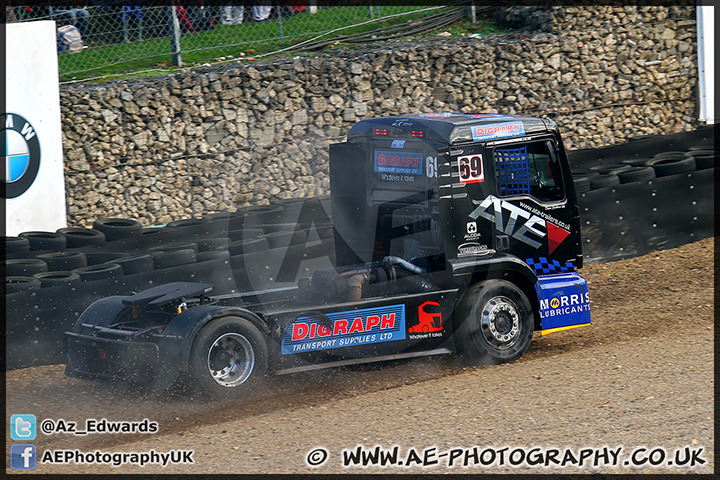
pixel 15 245
pixel 703 158
pixel 602 181
pixel 172 247
pixel 496 323
pixel 236 345
pixel 214 217
pixel 213 255
pixel 635 162
pixel 116 228
pixel 25 267
pixel 102 271
pixel 582 184
pixel 45 240
pixel 670 154
pixel 610 168
pixel 703 162
pixel 276 227
pixel 699 152
pixel 188 226
pixel 15 284
pixel 702 147
pixel 52 279
pixel 581 178
pixel 136 264
pixel 241 247
pixel 64 261
pixel 186 222
pixel 209 244
pixel 281 239
pixel 97 258
pixel 244 234
pixel 671 166
pixel 82 237
pixel 147 231
pixel 174 258
pixel 636 174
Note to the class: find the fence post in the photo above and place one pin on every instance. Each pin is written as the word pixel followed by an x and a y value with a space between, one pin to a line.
pixel 279 8
pixel 470 12
pixel 175 36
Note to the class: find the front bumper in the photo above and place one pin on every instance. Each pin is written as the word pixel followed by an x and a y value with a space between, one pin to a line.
pixel 95 357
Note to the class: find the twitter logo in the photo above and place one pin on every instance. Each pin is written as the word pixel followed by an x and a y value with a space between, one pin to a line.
pixel 23 427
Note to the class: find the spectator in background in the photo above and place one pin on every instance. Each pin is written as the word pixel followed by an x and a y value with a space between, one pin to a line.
pixel 262 12
pixel 233 15
pixel 10 16
pixel 69 15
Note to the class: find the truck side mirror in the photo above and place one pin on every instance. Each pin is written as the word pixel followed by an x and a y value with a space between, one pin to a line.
pixel 552 150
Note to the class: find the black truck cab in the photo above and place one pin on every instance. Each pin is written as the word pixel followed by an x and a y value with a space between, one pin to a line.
pixel 452 233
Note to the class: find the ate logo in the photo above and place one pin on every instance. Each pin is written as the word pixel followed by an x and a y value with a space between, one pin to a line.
pixel 519 223
pixel 472 227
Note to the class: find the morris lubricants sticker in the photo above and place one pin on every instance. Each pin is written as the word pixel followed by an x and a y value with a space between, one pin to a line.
pixel 398 163
pixel 564 305
pixel 345 329
pixel 498 130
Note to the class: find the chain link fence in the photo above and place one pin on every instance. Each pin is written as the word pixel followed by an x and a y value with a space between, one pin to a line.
pixel 113 37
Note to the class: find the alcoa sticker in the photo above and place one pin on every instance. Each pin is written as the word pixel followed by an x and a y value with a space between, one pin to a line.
pixel 528 225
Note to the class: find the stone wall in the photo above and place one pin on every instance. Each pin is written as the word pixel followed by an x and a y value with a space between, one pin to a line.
pixel 163 148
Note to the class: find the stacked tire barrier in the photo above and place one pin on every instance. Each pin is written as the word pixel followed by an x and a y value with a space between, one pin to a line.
pixel 48 285
pixel 645 195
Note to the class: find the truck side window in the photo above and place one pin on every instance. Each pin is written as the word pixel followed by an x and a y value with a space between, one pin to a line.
pixel 528 170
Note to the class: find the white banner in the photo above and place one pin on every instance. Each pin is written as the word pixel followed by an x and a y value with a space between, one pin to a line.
pixel 32 173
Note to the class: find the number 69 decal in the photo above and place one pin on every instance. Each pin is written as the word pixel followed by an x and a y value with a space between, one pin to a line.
pixel 470 168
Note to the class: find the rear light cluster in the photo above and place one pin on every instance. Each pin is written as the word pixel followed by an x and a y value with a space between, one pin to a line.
pixel 413 133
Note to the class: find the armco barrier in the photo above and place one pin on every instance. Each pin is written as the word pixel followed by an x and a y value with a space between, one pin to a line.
pixel 619 221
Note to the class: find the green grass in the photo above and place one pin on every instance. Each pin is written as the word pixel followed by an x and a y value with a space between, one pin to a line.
pixel 247 40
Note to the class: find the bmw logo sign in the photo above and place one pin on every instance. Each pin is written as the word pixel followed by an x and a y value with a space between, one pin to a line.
pixel 22 155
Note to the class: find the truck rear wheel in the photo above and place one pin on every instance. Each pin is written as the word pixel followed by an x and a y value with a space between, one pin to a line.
pixel 229 357
pixel 496 323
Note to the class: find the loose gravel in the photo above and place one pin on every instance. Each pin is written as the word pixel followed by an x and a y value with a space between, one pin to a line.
pixel 640 376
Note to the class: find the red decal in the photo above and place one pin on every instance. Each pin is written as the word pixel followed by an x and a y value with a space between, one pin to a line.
pixel 388 321
pixel 556 235
pixel 372 321
pixel 430 318
pixel 300 331
pixel 340 327
pixel 356 326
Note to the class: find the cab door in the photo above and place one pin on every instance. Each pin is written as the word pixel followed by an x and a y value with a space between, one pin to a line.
pixel 531 208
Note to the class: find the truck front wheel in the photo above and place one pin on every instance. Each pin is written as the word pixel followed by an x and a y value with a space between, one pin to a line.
pixel 495 323
pixel 229 357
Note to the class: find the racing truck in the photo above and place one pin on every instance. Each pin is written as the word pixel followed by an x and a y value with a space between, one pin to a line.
pixel 452 233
